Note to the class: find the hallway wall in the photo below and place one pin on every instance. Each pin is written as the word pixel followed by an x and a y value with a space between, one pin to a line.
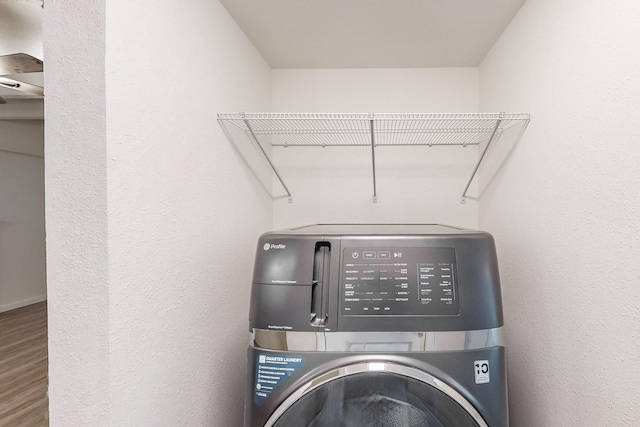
pixel 22 247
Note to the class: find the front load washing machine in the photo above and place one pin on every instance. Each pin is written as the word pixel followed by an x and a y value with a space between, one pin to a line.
pixel 376 325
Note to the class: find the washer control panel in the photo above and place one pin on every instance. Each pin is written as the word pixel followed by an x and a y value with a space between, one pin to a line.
pixel 399 281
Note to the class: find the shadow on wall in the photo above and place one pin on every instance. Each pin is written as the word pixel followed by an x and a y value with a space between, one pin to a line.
pixel 255 156
pixel 527 330
pixel 496 156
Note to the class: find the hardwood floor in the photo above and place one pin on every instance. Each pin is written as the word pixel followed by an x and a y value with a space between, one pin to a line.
pixel 23 367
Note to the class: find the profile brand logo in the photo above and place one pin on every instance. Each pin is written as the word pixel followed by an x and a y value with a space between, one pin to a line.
pixel 268 246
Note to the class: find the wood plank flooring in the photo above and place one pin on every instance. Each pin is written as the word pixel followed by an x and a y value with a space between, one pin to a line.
pixel 23 367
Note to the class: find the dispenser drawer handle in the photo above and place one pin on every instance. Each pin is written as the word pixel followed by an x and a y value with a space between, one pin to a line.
pixel 320 285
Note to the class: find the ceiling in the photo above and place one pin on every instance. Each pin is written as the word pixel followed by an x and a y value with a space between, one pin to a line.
pixel 373 33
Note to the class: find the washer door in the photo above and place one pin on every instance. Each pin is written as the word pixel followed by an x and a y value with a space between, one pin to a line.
pixel 372 394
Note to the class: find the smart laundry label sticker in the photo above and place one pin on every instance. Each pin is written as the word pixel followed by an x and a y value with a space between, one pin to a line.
pixel 271 371
pixel 481 368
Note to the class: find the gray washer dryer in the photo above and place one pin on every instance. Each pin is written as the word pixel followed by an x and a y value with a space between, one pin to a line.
pixel 376 325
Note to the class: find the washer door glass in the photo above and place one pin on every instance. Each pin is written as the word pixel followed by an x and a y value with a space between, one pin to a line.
pixel 375 399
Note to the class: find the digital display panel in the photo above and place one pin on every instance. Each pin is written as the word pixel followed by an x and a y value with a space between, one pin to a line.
pixel 399 281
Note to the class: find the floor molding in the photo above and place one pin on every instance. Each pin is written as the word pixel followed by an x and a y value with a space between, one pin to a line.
pixel 22 303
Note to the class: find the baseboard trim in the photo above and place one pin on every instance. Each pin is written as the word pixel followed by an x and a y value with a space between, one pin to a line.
pixel 22 303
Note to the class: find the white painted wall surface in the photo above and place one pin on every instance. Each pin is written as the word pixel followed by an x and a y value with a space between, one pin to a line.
pixel 335 184
pixel 184 212
pixel 565 211
pixel 22 253
pixel 152 217
pixel 76 213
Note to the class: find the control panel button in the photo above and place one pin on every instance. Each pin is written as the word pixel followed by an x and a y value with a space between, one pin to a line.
pixel 368 255
pixel 384 255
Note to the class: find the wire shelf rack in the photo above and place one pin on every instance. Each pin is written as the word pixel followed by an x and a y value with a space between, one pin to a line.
pixel 372 129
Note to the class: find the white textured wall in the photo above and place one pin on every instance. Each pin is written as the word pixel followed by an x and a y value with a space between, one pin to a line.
pixel 22 254
pixel 414 184
pixel 565 211
pixel 76 213
pixel 184 212
pixel 152 217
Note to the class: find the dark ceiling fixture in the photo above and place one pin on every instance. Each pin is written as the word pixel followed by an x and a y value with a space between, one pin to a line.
pixel 19 63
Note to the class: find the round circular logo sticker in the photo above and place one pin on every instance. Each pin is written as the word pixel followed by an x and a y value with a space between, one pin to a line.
pixel 266 247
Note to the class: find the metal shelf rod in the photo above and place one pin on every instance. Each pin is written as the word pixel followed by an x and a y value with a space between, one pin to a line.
pixel 475 169
pixel 255 140
pixel 373 161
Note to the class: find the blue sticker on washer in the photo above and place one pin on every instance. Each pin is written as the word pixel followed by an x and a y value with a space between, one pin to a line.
pixel 271 371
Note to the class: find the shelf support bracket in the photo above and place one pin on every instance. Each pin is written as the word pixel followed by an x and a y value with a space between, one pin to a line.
pixel 264 153
pixel 373 159
pixel 484 152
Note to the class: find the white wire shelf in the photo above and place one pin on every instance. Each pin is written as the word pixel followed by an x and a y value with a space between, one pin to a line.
pixel 371 129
